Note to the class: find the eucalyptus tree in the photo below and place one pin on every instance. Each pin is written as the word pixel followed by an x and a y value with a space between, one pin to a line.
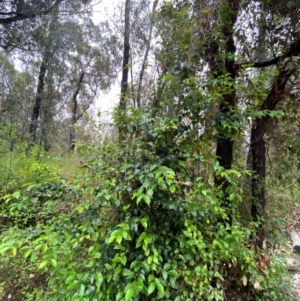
pixel 136 31
pixel 159 214
pixel 135 22
pixel 17 88
pixel 54 46
pixel 18 18
pixel 273 52
pixel 94 64
pixel 77 60
pixel 148 42
pixel 221 62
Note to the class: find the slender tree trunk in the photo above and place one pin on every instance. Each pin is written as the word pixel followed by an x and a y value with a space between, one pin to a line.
pixel 47 120
pixel 258 150
pixel 1 110
pixel 138 98
pixel 125 69
pixel 261 55
pixel 75 112
pixel 38 100
pixel 224 150
pixel 258 131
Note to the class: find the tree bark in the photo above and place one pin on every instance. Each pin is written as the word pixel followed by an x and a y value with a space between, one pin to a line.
pixel 125 68
pixel 74 118
pixel 38 100
pixel 258 148
pixel 224 150
pixel 257 142
pixel 138 98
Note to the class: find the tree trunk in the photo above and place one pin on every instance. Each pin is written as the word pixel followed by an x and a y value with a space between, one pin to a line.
pixel 125 69
pixel 47 120
pixel 138 98
pixel 75 113
pixel 224 150
pixel 258 148
pixel 38 100
pixel 261 55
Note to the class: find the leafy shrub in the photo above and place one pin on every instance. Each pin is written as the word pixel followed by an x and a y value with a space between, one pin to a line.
pixel 140 226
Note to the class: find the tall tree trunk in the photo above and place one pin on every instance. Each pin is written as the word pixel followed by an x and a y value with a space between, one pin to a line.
pixel 258 150
pixel 47 121
pixel 224 150
pixel 125 69
pixel 38 100
pixel 1 110
pixel 259 128
pixel 138 98
pixel 261 56
pixel 75 112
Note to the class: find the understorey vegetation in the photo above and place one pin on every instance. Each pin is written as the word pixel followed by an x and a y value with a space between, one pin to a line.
pixel 184 191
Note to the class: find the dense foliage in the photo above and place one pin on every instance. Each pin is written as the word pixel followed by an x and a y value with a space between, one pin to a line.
pixel 179 195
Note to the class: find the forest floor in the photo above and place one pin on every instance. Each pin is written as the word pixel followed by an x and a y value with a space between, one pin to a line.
pixel 293 258
pixel 296 284
pixel 293 264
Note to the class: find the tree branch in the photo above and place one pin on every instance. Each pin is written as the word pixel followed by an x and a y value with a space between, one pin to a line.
pixel 293 51
pixel 23 16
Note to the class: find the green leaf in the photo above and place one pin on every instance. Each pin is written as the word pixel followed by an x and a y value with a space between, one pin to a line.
pixel 129 294
pixel 150 192
pixel 126 272
pixel 119 295
pixel 81 290
pixel 27 253
pixel 112 236
pixel 173 282
pixel 53 262
pixel 151 288
pixel 164 274
pixel 98 279
pixel 119 239
pixel 147 200
pixel 13 251
pixel 144 223
pixel 151 278
pixel 43 264
pixel 159 286
pixel 44 248
pixel 173 273
pixel 123 259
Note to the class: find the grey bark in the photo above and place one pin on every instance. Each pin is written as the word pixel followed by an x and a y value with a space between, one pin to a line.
pixel 74 118
pixel 38 100
pixel 138 98
pixel 125 67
